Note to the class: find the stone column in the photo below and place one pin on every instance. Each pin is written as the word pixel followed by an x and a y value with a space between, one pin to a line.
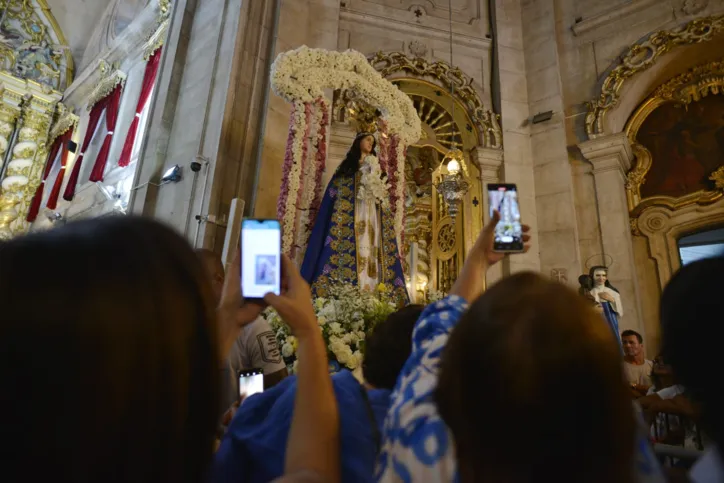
pixel 25 168
pixel 611 157
pixel 489 161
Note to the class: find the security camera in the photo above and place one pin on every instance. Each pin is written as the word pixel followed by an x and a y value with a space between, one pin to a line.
pixel 195 166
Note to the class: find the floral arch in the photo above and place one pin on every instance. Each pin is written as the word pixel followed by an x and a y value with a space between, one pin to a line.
pixel 301 76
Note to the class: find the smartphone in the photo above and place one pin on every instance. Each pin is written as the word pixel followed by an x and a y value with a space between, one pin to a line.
pixel 251 382
pixel 260 258
pixel 509 232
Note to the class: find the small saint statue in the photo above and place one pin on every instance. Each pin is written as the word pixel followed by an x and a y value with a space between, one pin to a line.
pixel 606 294
pixel 353 239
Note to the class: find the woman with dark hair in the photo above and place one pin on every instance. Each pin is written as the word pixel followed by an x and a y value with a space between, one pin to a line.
pixel 353 239
pixel 110 344
pixel 609 298
pixel 508 388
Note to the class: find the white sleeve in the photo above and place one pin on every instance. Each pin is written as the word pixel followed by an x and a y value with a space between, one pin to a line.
pixel 617 305
pixel 262 347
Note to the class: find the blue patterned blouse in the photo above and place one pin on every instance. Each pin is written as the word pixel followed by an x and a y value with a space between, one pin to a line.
pixel 417 444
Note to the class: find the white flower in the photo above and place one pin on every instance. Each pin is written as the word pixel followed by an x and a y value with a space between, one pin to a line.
pixel 321 320
pixel 335 327
pixel 361 335
pixel 358 358
pixel 287 350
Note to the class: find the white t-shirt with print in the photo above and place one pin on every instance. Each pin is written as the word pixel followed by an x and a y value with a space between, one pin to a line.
pixel 255 348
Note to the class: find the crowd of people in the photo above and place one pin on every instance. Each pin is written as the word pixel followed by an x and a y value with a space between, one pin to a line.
pixel 119 345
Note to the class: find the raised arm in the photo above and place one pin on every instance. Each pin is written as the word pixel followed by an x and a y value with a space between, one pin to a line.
pixel 413 424
pixel 313 444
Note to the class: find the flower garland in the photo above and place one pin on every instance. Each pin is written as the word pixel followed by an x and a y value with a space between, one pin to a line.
pixel 294 159
pixel 320 160
pixel 303 74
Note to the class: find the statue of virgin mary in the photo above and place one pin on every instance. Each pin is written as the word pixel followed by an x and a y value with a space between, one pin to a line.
pixel 353 239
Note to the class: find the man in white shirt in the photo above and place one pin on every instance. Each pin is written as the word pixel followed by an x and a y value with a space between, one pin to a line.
pixel 255 348
pixel 636 367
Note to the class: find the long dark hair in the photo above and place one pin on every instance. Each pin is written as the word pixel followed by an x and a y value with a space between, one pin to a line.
pixel 592 271
pixel 108 355
pixel 350 165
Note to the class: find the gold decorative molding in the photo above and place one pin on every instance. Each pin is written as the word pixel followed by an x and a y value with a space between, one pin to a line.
pixel 110 77
pixel 32 45
pixel 156 40
pixel 718 178
pixel 487 122
pixel 65 120
pixel 691 86
pixel 640 57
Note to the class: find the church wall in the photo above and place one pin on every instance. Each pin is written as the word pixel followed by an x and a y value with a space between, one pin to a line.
pixel 554 193
pixel 186 119
pixel 514 107
pixel 240 151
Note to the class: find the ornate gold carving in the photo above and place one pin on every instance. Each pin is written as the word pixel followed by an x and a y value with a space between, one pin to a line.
pixel 24 170
pixel 691 86
pixel 65 120
pixel 32 45
pixel 634 222
pixel 640 57
pixel 110 78
pixel 488 123
pixel 718 178
pixel 156 40
pixel 165 7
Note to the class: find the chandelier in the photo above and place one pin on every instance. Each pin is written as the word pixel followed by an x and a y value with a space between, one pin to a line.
pixel 452 184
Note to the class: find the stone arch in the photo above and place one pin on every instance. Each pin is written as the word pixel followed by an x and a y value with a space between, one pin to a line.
pixel 646 65
pixel 396 65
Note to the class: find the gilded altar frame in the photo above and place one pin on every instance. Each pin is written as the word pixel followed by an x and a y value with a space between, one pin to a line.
pixel 691 86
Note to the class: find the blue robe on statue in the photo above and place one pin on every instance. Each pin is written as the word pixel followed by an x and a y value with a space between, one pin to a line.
pixel 331 256
pixel 610 315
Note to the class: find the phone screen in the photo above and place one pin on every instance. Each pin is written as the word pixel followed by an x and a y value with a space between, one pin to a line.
pixel 509 232
pixel 251 382
pixel 261 258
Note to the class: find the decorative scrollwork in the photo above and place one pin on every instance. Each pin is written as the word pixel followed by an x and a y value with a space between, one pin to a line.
pixel 111 77
pixel 446 238
pixel 487 122
pixel 640 57
pixel 718 178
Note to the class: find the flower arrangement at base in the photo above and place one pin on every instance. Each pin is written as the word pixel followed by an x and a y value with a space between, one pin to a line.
pixel 345 319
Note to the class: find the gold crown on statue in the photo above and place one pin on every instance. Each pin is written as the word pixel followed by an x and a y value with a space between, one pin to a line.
pixel 363 117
